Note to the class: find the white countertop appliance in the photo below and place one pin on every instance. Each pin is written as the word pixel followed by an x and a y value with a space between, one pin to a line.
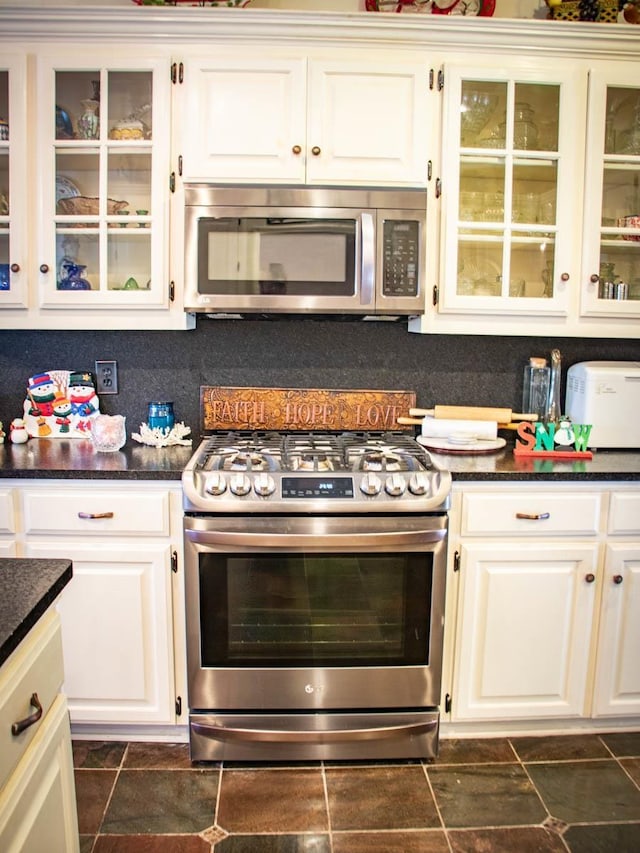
pixel 606 394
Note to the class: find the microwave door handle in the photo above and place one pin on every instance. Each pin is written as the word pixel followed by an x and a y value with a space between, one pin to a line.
pixel 367 259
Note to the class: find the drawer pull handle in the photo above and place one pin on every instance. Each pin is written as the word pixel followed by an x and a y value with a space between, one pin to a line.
pixel 618 579
pixel 534 516
pixel 21 725
pixel 95 515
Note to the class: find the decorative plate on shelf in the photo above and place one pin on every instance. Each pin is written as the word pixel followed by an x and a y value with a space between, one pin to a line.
pixel 65 188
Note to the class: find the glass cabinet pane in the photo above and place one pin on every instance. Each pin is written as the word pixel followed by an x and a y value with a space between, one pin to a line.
pixel 619 262
pixel 508 184
pixel 103 180
pixel 5 283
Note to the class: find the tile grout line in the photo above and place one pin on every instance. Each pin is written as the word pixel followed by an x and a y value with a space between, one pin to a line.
pixel 437 807
pixel 538 795
pixel 323 770
pixel 110 797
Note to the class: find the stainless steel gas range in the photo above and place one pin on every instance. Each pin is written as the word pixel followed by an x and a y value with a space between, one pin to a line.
pixel 315 586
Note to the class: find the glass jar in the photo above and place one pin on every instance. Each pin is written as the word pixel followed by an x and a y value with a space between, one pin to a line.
pixel 535 387
pixel 160 415
pixel 525 131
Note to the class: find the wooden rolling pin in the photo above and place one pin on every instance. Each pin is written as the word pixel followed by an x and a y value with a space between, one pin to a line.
pixel 420 421
pixel 474 413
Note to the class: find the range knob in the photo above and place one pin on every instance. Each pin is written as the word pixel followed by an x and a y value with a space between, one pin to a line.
pixel 395 485
pixel 240 484
pixel 419 484
pixel 264 485
pixel 216 484
pixel 370 484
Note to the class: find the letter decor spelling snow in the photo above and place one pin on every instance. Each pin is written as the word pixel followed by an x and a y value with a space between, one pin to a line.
pixel 61 404
pixel 567 441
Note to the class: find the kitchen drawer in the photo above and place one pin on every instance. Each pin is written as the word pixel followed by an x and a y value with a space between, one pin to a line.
pixel 7 513
pixel 624 513
pixel 572 513
pixel 96 512
pixel 34 667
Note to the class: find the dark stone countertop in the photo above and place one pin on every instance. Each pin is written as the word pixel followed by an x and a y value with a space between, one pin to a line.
pixel 76 458
pixel 27 589
pixel 43 458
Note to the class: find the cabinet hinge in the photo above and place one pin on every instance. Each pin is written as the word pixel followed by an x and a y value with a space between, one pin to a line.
pixel 431 77
pixel 180 164
pixel 181 72
pixel 435 296
pixel 178 706
pixel 440 80
pixel 456 561
pixel 172 182
pixel 438 187
pixel 177 72
pixel 172 291
pixel 174 72
pixel 447 703
pixel 429 170
pixel 174 562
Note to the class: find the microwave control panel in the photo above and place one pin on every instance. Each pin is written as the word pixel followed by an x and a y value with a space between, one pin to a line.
pixel 401 242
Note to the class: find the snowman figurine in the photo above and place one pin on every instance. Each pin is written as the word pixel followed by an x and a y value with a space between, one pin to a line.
pixel 18 431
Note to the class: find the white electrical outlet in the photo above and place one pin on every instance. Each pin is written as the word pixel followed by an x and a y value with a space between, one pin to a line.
pixel 107 377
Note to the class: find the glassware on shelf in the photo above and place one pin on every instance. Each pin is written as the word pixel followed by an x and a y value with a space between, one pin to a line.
pixel 554 407
pixel 476 107
pixel 72 277
pixel 525 131
pixel 89 123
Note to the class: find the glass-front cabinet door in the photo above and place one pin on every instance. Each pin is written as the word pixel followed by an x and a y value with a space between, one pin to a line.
pixel 508 191
pixel 611 266
pixel 103 182
pixel 13 172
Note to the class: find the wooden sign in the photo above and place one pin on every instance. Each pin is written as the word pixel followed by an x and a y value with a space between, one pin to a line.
pixel 569 441
pixel 302 409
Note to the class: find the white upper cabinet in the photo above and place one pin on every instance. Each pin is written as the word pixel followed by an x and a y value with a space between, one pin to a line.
pixel 13 180
pixel 539 231
pixel 282 119
pixel 611 242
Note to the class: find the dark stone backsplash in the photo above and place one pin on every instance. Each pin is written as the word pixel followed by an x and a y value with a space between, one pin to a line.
pixel 163 365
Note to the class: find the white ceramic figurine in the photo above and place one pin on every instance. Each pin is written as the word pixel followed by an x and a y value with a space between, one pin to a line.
pixel 18 431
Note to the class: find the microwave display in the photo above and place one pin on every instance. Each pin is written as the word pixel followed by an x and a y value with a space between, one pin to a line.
pixel 278 255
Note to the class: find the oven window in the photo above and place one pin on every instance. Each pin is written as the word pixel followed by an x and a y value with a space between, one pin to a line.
pixel 315 609
pixel 298 257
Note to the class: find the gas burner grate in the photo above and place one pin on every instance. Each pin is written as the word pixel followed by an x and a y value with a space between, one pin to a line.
pixel 316 452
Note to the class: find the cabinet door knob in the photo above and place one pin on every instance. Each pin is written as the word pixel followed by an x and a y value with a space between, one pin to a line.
pixel 316 150
pixel 21 725
pixel 590 577
pixel 534 516
pixel 297 149
pixel 15 267
pixel 618 579
pixel 565 276
pixel 44 268
pixel 594 278
pixel 95 515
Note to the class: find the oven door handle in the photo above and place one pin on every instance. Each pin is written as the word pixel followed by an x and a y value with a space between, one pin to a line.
pixel 224 733
pixel 317 542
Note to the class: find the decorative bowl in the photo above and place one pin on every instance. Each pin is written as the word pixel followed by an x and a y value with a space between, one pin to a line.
pixel 630 222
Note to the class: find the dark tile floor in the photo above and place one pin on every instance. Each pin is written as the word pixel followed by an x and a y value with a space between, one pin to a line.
pixel 517 795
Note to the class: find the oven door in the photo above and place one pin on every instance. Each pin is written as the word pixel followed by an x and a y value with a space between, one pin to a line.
pixel 314 613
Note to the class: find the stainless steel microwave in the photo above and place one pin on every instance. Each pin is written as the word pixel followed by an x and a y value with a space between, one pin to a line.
pixel 293 250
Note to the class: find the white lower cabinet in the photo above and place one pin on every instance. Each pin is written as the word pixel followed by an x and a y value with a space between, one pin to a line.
pixel 546 581
pixel 116 634
pixel 124 663
pixel 525 632
pixel 617 684
pixel 37 791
